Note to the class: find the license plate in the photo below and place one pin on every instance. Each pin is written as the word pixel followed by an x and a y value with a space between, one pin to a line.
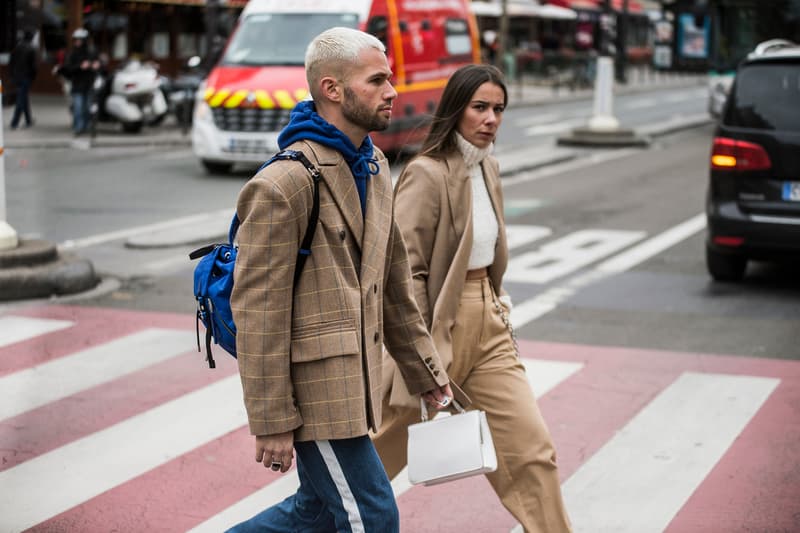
pixel 791 191
pixel 263 145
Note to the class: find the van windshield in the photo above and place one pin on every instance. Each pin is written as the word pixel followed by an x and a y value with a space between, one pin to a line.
pixel 280 38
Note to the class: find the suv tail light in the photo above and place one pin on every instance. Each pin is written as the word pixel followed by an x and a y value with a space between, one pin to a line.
pixel 730 154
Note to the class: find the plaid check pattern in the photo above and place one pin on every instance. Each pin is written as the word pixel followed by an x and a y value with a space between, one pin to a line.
pixel 310 360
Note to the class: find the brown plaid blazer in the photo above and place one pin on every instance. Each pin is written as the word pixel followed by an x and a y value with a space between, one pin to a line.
pixel 311 362
pixel 433 200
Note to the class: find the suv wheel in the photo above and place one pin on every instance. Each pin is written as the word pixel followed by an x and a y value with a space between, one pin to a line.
pixel 725 267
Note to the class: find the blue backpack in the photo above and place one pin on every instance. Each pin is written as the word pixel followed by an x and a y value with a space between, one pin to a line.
pixel 213 275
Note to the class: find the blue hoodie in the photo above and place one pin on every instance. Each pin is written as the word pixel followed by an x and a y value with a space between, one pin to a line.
pixel 306 124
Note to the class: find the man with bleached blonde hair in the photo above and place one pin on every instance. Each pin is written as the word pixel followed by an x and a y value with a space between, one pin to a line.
pixel 310 352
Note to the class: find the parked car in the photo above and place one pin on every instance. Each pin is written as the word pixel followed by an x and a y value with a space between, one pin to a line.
pixel 753 202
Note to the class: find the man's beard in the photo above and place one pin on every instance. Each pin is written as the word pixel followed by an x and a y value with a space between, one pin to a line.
pixel 360 115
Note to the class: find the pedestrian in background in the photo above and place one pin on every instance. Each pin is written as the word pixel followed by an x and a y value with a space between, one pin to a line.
pixel 310 356
pixel 80 68
pixel 23 65
pixel 449 206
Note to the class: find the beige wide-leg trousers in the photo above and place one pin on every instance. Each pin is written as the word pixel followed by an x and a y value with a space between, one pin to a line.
pixel 486 366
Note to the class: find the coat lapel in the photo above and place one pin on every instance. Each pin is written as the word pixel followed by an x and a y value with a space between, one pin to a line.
pixel 459 193
pixel 498 267
pixel 377 222
pixel 342 186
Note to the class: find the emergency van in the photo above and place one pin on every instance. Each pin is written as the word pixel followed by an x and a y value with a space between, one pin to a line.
pixel 247 97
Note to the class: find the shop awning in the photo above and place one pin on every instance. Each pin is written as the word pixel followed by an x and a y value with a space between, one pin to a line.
pixel 548 11
pixel 522 9
pixel 199 3
pixel 634 6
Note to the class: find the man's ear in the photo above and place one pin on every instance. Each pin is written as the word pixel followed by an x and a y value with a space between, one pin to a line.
pixel 331 89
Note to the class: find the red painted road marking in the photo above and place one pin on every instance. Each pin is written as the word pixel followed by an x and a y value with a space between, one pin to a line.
pixel 754 485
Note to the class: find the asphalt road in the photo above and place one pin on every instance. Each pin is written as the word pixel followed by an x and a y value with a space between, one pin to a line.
pixel 672 399
pixel 583 212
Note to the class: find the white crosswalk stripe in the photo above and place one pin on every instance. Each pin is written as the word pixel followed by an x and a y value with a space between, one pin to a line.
pixel 638 479
pixel 91 465
pixel 16 328
pixel 57 379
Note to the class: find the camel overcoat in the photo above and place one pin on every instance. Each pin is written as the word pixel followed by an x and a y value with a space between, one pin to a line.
pixel 433 207
pixel 310 357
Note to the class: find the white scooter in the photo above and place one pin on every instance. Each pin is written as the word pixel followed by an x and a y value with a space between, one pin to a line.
pixel 133 97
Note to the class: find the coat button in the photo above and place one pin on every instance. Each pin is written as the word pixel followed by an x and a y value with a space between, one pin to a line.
pixel 377 337
pixel 375 288
pixel 428 360
pixel 342 234
pixel 435 372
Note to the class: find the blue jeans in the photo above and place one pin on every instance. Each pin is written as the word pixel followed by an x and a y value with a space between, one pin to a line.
pixel 80 112
pixel 343 488
pixel 22 105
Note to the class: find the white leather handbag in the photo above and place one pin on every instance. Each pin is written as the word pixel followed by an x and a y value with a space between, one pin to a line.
pixel 449 447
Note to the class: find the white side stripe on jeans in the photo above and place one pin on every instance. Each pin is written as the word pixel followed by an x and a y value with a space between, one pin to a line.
pixel 348 500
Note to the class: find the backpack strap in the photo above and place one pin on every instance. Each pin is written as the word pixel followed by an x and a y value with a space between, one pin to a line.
pixel 316 175
pixel 305 247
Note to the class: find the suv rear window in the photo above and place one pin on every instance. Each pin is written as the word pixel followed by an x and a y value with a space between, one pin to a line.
pixel 766 97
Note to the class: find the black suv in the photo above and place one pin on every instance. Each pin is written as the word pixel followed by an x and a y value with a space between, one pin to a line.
pixel 753 203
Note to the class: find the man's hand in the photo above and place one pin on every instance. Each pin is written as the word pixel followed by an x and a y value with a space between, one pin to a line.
pixel 440 397
pixel 275 451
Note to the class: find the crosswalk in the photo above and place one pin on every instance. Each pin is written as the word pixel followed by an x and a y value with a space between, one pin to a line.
pixel 111 421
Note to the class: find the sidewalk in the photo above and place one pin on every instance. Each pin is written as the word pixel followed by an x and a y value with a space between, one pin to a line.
pixel 53 129
pixel 52 118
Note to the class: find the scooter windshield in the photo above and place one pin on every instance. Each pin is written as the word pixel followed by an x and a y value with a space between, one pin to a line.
pixel 280 38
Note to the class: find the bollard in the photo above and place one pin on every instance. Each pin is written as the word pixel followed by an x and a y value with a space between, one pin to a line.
pixel 603 118
pixel 8 237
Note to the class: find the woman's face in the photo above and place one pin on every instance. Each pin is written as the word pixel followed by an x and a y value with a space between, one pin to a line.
pixel 482 116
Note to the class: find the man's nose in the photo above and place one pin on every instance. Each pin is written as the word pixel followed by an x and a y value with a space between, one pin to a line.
pixel 390 93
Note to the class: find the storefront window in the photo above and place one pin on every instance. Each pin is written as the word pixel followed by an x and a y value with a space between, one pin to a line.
pixel 188 45
pixel 159 45
pixel 119 47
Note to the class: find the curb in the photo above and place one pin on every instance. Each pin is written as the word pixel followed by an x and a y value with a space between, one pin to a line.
pixel 588 94
pixel 67 275
pixel 87 143
pixel 694 121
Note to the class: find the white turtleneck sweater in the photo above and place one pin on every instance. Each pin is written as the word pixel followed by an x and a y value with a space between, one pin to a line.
pixel 484 219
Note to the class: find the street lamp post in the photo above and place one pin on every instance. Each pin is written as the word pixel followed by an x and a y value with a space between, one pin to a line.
pixel 603 128
pixel 603 118
pixel 8 237
pixel 212 24
pixel 622 45
pixel 502 37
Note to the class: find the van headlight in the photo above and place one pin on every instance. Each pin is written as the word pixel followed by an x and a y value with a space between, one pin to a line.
pixel 202 112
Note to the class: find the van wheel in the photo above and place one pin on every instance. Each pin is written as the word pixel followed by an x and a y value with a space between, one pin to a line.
pixel 725 267
pixel 215 167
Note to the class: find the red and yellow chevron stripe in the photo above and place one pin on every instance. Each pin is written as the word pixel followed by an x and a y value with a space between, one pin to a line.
pixel 258 98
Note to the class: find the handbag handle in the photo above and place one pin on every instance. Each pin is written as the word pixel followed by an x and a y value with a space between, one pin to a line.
pixel 424 408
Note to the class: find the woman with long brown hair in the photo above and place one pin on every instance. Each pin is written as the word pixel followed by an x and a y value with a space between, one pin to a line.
pixel 449 206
